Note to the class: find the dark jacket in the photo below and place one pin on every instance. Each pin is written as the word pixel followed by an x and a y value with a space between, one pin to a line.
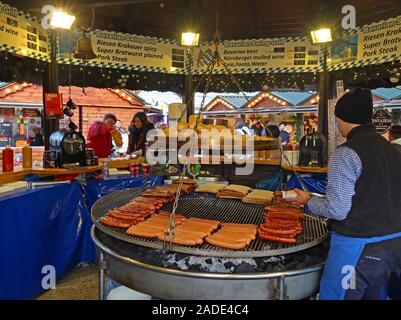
pixel 376 205
pixel 137 137
pixel 37 141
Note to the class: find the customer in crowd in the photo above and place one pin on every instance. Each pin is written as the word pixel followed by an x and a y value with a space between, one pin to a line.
pixel 362 203
pixel 242 128
pixel 395 135
pixel 273 131
pixel 101 134
pixel 284 135
pixel 258 129
pixel 124 135
pixel 37 139
pixel 140 126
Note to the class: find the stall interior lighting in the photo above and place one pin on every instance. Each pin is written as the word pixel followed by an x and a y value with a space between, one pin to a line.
pixel 62 20
pixel 190 39
pixel 321 36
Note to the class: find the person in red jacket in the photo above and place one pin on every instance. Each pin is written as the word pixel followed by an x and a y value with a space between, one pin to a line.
pixel 101 134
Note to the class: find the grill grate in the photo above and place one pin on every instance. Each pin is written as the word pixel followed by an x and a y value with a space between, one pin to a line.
pixel 207 206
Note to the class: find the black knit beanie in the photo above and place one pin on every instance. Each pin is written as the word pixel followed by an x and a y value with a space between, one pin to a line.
pixel 355 106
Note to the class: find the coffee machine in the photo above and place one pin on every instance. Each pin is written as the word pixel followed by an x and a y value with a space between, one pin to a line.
pixel 69 146
pixel 312 149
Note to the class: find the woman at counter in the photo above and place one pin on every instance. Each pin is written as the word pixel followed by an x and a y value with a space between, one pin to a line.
pixel 140 125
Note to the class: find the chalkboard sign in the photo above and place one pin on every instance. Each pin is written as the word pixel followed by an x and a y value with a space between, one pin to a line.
pixel 382 120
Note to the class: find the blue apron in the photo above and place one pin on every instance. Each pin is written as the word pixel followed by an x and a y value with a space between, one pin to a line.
pixel 344 251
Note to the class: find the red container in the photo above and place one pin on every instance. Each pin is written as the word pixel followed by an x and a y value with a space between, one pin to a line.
pixel 8 159
pixel 145 168
pixel 134 169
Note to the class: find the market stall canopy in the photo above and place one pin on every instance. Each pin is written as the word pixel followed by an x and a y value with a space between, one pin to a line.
pixel 237 18
pixel 297 102
pixel 387 93
pixel 32 93
pixel 263 99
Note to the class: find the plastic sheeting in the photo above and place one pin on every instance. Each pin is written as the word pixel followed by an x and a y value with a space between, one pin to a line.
pixel 315 184
pixel 95 189
pixel 45 228
pixel 49 228
pixel 272 183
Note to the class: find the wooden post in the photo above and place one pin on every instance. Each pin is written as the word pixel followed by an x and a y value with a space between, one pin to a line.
pixel 189 95
pixel 323 125
pixel 80 119
pixel 324 96
pixel 50 85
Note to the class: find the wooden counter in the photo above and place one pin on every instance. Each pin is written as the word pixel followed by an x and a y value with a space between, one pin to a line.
pixel 206 160
pixel 13 176
pixel 61 171
pixel 122 164
pixel 19 174
pixel 305 169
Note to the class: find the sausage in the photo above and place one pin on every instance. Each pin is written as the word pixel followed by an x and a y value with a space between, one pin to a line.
pixel 231 238
pixel 186 241
pixel 277 231
pixel 213 222
pixel 144 232
pixel 194 233
pixel 284 216
pixel 208 229
pixel 279 224
pixel 117 215
pixel 110 221
pixel 229 233
pixel 274 238
pixel 226 243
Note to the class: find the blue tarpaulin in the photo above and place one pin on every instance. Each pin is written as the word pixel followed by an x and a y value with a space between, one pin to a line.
pixel 49 227
pixel 272 183
pixel 315 184
pixel 95 189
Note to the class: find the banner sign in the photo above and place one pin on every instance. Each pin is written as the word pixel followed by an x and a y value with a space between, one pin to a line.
pixel 53 104
pixel 22 34
pixel 125 51
pixel 378 42
pixel 371 44
pixel 382 120
pixel 295 54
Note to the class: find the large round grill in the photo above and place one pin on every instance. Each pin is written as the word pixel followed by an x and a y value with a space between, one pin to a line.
pixel 207 206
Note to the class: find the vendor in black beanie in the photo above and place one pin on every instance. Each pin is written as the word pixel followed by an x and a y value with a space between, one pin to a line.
pixel 362 205
pixel 355 106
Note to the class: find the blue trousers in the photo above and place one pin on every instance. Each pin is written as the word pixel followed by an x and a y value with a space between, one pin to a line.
pixel 377 264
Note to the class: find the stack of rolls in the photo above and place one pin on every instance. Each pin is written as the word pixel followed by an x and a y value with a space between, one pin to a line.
pixel 210 187
pixel 234 191
pixel 259 197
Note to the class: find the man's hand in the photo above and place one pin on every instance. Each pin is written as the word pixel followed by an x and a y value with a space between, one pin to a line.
pixel 301 198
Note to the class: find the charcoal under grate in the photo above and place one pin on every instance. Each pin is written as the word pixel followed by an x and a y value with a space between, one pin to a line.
pixel 207 206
